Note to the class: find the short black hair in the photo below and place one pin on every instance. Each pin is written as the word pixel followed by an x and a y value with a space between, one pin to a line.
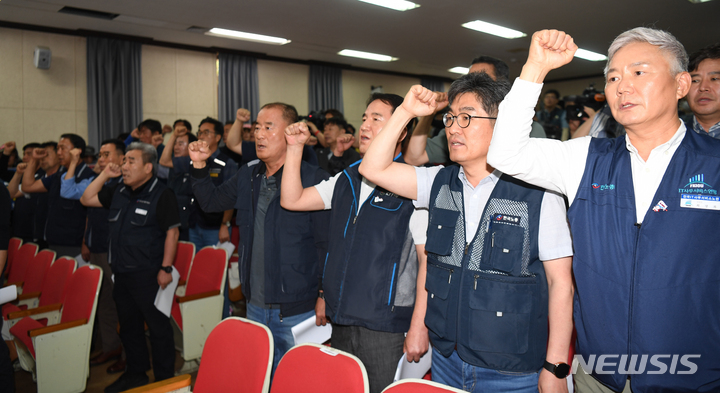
pixel 501 68
pixel 334 113
pixel 229 122
pixel 553 91
pixel 191 137
pixel 488 91
pixel 77 141
pixel 394 101
pixel 153 125
pixel 119 145
pixel 289 113
pixel 49 144
pixel 217 126
pixel 338 121
pixel 31 145
pixel 711 51
pixel 185 123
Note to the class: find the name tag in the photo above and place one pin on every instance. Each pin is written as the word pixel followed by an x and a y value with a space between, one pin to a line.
pixel 700 202
pixel 140 211
pixel 221 163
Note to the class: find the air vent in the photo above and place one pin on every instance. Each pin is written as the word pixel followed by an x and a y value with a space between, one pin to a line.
pixel 88 13
pixel 197 29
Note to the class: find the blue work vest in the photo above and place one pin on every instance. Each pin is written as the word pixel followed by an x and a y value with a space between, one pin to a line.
pixel 650 289
pixel 488 298
pixel 136 240
pixel 370 271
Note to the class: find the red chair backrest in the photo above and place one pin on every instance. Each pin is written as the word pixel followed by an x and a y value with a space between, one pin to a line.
pixel 81 293
pixel 56 281
pixel 21 260
pixel 13 247
pixel 35 274
pixel 207 272
pixel 237 351
pixel 235 236
pixel 304 365
pixel 418 386
pixel 184 258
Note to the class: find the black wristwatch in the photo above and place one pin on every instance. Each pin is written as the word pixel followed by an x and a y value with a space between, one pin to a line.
pixel 167 269
pixel 321 295
pixel 560 370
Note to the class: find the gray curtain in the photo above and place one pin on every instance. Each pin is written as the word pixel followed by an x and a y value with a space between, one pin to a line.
pixel 433 84
pixel 325 88
pixel 237 86
pixel 114 88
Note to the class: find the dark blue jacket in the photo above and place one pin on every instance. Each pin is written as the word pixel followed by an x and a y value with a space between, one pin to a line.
pixel 66 217
pixel 488 299
pixel 370 272
pixel 98 226
pixel 295 242
pixel 650 289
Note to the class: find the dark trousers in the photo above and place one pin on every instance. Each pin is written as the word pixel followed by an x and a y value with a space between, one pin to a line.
pixel 134 295
pixel 106 315
pixel 379 351
pixel 7 375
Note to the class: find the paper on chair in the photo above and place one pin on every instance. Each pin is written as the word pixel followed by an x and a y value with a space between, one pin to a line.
pixel 407 369
pixel 307 332
pixel 164 297
pixel 8 294
pixel 233 275
pixel 228 247
pixel 80 261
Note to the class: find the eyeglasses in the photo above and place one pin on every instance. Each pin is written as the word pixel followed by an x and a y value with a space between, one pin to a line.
pixel 463 119
pixel 201 133
pixel 103 155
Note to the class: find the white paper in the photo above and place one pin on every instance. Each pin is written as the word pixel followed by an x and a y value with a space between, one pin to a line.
pixel 164 297
pixel 407 369
pixel 8 294
pixel 307 332
pixel 80 261
pixel 233 275
pixel 228 247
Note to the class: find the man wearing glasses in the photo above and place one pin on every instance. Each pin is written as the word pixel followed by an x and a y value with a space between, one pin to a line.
pixel 499 250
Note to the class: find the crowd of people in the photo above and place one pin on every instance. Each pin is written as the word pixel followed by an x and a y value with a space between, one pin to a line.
pixel 472 221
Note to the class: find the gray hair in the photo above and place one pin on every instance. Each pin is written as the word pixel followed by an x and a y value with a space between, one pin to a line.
pixel 666 42
pixel 149 153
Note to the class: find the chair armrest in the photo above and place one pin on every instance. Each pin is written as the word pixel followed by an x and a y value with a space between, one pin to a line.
pixel 29 295
pixel 34 311
pixel 55 328
pixel 167 385
pixel 18 284
pixel 198 296
pixel 182 282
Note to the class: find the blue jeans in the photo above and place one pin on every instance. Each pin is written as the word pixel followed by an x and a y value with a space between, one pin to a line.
pixel 280 329
pixel 202 237
pixel 454 372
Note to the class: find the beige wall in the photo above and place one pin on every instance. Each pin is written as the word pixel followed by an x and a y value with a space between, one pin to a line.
pixel 283 82
pixel 356 91
pixel 178 84
pixel 39 105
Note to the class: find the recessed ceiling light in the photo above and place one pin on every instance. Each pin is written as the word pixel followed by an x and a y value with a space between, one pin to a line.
pixel 399 5
pixel 366 55
pixel 490 28
pixel 239 35
pixel 587 55
pixel 698 1
pixel 460 70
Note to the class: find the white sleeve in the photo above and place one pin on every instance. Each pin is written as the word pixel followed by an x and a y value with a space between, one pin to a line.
pixel 418 225
pixel 425 177
pixel 554 240
pixel 326 188
pixel 551 164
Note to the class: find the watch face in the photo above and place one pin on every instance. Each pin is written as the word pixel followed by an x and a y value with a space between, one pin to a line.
pixel 562 370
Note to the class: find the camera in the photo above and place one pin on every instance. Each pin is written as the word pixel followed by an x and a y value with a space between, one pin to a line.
pixel 315 117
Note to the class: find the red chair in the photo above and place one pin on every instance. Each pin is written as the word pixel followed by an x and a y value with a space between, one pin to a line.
pixel 183 261
pixel 32 284
pixel 13 247
pixel 197 313
pixel 412 385
pixel 59 355
pixel 21 260
pixel 47 303
pixel 316 368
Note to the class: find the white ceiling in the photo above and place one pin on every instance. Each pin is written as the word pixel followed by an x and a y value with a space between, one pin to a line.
pixel 427 40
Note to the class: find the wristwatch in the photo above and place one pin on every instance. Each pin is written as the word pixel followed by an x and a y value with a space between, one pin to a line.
pixel 560 370
pixel 167 269
pixel 227 224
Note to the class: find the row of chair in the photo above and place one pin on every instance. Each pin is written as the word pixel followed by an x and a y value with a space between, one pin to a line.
pixel 237 357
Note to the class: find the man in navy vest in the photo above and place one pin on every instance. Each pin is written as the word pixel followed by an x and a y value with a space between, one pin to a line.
pixel 647 305
pixel 499 250
pixel 704 94
pixel 143 235
pixel 375 252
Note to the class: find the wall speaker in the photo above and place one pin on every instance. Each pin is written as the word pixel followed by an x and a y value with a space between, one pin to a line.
pixel 42 57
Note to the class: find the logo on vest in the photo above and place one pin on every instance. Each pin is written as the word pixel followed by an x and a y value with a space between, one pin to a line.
pixel 661 206
pixel 697 185
pixel 506 218
pixel 603 187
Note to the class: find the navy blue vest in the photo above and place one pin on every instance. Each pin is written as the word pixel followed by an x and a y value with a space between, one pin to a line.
pixel 96 233
pixel 370 271
pixel 487 298
pixel 650 289
pixel 136 240
pixel 25 213
pixel 66 217
pixel 218 176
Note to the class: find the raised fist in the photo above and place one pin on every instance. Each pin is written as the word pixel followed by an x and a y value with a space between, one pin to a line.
pixel 243 115
pixel 420 101
pixel 551 49
pixel 199 151
pixel 180 131
pixel 112 170
pixel 75 153
pixel 343 142
pixel 20 169
pixel 297 134
pixel 8 148
pixel 39 153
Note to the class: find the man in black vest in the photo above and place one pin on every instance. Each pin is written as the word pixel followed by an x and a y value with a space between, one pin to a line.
pixel 144 223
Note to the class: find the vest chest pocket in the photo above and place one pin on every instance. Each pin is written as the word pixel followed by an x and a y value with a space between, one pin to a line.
pixel 441 231
pixel 114 215
pixel 437 283
pixel 139 216
pixel 505 245
pixel 386 202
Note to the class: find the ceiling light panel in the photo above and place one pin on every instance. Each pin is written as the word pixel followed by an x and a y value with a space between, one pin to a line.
pixel 460 70
pixel 366 55
pixel 587 55
pixel 493 29
pixel 398 5
pixel 240 35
